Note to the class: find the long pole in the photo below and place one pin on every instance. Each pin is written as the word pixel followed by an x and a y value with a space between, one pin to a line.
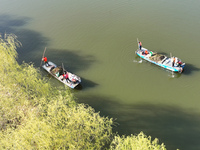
pixel 43 56
pixel 63 68
pixel 138 43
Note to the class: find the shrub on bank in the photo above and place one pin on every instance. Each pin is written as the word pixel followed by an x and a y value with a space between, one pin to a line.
pixel 133 142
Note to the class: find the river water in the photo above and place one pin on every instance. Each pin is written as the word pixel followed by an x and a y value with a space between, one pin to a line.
pixel 97 41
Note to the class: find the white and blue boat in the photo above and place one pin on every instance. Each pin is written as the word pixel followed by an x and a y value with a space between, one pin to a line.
pixel 173 64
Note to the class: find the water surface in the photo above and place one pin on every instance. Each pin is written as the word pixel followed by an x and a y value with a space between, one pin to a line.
pixel 97 41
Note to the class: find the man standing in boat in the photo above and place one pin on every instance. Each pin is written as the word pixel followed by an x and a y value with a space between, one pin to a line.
pixel 173 61
pixel 140 45
pixel 45 61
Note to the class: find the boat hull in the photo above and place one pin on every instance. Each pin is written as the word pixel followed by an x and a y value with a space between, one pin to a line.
pixel 67 82
pixel 166 63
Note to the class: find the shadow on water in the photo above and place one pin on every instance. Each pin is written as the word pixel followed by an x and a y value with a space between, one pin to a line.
pixel 189 69
pixel 173 126
pixel 7 23
pixel 85 83
pixel 32 41
pixel 33 44
pixel 73 60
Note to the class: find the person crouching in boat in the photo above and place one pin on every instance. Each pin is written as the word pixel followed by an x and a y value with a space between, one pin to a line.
pixel 45 61
pixel 65 75
pixel 140 45
pixel 177 62
pixel 145 52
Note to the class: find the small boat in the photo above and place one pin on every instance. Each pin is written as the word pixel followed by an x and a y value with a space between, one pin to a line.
pixel 173 64
pixel 58 72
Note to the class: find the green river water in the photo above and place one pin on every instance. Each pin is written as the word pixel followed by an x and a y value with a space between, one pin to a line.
pixel 97 41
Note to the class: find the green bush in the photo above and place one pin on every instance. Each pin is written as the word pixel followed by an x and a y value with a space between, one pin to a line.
pixel 133 142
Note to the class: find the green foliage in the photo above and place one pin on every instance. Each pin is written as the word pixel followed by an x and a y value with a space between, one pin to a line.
pixel 8 53
pixel 12 106
pixel 63 128
pixel 84 128
pixel 139 142
pixel 10 111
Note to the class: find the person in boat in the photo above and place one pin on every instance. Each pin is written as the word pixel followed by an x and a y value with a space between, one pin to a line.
pixel 145 52
pixel 65 75
pixel 45 61
pixel 140 45
pixel 173 61
pixel 177 62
